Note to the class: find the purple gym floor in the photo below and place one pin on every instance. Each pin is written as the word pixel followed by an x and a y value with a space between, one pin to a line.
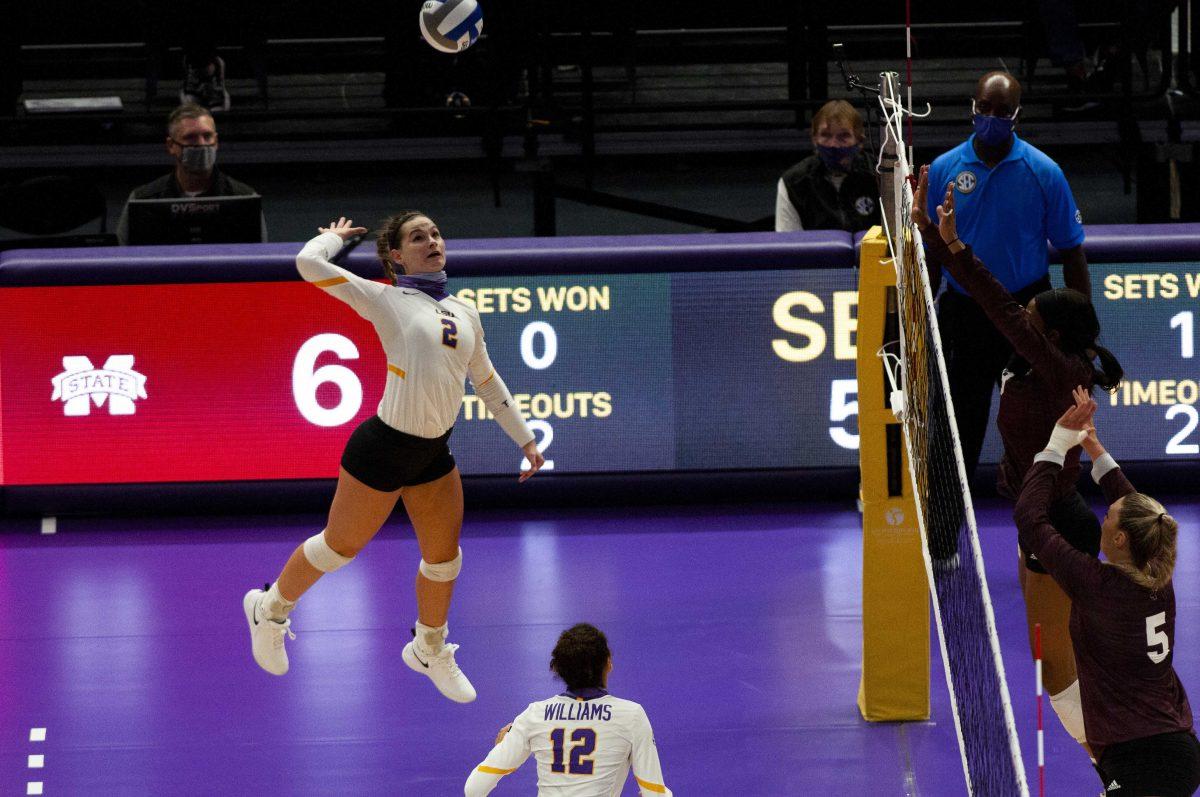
pixel 737 627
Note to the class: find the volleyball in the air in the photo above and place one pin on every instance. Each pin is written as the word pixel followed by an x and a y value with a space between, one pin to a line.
pixel 451 26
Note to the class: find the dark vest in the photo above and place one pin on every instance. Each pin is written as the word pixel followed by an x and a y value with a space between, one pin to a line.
pixel 853 207
pixel 167 187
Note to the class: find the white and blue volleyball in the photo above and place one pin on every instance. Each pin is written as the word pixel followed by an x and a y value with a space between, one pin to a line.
pixel 451 26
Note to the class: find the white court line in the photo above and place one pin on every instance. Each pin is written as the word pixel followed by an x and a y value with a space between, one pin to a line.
pixel 36 761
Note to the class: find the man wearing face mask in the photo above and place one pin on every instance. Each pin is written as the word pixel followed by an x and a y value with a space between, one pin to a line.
pixel 1010 198
pixel 835 188
pixel 192 143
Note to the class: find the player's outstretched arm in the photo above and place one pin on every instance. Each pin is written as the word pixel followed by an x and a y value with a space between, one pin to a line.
pixel 1105 470
pixel 314 266
pixel 499 401
pixel 647 770
pixel 511 750
pixel 1075 571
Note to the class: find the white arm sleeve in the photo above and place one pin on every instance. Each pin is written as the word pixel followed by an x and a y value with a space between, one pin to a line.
pixel 314 266
pixel 786 217
pixel 504 759
pixel 1103 464
pixel 647 770
pixel 491 388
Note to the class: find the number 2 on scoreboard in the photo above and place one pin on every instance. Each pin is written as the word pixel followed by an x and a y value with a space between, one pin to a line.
pixel 547 438
pixel 584 744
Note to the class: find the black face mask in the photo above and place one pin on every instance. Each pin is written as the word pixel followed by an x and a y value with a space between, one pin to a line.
pixel 198 158
pixel 838 159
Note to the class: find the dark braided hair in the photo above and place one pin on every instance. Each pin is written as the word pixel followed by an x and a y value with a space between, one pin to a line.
pixel 580 657
pixel 1073 316
pixel 389 239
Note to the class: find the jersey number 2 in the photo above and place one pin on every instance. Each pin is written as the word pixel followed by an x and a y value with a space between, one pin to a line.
pixel 583 745
pixel 449 333
pixel 1156 638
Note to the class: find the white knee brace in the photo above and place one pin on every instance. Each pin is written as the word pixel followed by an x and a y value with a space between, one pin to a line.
pixel 321 556
pixel 442 571
pixel 1069 708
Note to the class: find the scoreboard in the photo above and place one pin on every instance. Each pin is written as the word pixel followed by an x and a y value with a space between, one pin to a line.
pixel 616 373
pixel 1148 317
pixel 266 380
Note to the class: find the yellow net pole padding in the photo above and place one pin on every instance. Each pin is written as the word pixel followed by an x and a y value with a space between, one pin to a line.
pixel 895 597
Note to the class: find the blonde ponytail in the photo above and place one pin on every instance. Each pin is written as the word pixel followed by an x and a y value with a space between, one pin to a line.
pixel 1152 535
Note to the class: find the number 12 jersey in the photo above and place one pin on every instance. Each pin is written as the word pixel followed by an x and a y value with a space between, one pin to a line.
pixel 584 742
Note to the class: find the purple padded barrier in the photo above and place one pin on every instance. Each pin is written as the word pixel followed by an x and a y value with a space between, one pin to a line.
pixel 1140 243
pixel 1131 243
pixel 135 265
pixel 467 257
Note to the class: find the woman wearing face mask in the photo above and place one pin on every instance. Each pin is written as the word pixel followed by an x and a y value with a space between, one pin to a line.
pixel 1054 338
pixel 192 143
pixel 1138 719
pixel 434 342
pixel 835 188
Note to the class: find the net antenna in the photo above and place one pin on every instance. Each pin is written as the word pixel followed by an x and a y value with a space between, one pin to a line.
pixel 970 647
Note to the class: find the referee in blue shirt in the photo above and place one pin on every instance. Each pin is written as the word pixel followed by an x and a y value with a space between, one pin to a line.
pixel 1010 198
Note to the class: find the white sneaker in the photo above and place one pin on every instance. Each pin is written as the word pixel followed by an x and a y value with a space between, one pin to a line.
pixel 442 670
pixel 266 635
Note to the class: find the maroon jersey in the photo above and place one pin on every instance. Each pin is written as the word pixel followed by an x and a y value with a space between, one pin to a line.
pixel 1029 404
pixel 1124 634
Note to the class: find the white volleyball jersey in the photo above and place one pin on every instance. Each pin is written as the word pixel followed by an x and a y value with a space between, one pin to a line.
pixel 431 346
pixel 584 748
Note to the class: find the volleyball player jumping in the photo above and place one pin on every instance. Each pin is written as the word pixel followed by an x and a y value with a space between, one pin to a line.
pixel 433 342
pixel 1138 720
pixel 1054 340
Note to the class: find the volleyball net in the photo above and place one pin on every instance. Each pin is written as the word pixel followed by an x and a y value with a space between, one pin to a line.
pixel 962 605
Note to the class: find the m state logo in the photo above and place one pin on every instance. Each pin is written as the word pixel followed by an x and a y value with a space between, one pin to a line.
pixel 81 384
pixel 965 181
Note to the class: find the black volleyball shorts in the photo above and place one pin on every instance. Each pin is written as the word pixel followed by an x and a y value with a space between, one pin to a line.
pixel 1166 765
pixel 387 459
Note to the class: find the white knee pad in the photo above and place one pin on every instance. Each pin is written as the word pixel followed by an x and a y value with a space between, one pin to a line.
pixel 442 571
pixel 1069 708
pixel 321 556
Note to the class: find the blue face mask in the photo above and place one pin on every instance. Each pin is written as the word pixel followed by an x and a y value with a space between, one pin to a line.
pixel 993 131
pixel 838 159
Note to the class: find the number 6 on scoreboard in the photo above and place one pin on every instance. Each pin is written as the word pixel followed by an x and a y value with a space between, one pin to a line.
pixel 306 378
